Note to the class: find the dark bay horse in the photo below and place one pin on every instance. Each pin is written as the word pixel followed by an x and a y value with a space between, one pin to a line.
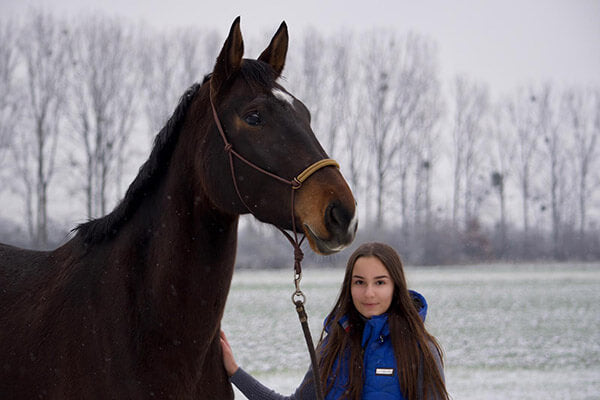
pixel 130 307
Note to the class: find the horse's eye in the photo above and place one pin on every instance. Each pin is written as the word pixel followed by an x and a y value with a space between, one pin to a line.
pixel 252 118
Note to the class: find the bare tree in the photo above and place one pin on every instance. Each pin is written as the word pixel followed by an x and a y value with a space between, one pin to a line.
pixel 547 127
pixel 399 106
pixel 354 150
pixel 23 152
pixel 582 113
pixel 521 111
pixel 42 44
pixel 199 50
pixel 471 103
pixel 105 83
pixel 426 151
pixel 338 90
pixel 161 73
pixel 380 55
pixel 170 63
pixel 419 107
pixel 10 109
pixel 501 153
pixel 308 79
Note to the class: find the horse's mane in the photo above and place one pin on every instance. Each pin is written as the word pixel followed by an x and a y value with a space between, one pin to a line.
pixel 255 73
pixel 100 229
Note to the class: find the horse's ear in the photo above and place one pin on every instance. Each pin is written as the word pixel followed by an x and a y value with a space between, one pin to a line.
pixel 230 58
pixel 274 55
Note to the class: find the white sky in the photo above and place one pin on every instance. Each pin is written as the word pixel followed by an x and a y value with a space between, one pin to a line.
pixel 505 43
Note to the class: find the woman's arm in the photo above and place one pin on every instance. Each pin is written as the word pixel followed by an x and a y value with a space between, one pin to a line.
pixel 438 360
pixel 253 389
pixel 440 366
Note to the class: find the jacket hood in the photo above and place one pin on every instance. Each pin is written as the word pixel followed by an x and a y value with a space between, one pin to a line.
pixel 377 326
pixel 420 303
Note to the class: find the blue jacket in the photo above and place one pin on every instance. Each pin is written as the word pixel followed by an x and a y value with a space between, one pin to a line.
pixel 379 362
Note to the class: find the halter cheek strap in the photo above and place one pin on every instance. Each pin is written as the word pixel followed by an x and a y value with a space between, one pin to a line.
pixel 295 183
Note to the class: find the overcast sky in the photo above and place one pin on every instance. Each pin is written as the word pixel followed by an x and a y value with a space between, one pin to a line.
pixel 505 43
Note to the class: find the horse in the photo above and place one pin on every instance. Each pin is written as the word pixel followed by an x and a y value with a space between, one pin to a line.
pixel 130 307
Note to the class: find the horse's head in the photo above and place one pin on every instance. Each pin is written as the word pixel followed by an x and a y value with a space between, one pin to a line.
pixel 270 128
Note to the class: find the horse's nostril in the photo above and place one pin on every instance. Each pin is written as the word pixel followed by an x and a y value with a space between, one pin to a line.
pixel 337 217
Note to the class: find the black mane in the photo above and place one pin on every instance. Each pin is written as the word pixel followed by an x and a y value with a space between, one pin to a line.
pixel 255 73
pixel 100 229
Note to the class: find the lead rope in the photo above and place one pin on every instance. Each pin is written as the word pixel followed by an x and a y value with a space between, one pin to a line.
pixel 298 297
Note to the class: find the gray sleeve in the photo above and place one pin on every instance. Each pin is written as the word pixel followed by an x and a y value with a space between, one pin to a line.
pixel 438 360
pixel 254 390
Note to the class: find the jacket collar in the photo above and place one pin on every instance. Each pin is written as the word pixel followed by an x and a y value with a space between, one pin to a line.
pixel 376 328
pixel 418 300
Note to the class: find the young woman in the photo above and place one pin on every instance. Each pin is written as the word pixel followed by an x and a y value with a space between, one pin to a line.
pixel 374 344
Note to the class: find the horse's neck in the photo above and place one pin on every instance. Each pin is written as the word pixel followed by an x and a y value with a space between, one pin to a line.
pixel 180 254
pixel 191 248
pixel 191 254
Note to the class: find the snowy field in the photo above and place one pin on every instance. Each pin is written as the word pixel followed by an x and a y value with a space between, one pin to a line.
pixel 508 331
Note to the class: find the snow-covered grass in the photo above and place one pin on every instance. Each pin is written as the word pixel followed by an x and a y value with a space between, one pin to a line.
pixel 508 331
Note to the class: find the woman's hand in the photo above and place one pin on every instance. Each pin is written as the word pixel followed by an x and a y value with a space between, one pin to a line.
pixel 228 361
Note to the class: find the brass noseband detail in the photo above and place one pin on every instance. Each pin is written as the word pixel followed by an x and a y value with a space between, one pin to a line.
pixel 312 169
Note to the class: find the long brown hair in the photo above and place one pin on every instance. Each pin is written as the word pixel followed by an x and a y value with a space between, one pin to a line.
pixel 413 345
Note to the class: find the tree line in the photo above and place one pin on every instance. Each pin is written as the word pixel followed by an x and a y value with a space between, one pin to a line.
pixel 441 168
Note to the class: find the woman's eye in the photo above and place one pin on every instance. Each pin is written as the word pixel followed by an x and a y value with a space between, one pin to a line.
pixel 252 119
pixel 358 282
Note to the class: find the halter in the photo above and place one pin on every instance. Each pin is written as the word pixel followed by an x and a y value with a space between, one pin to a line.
pixel 298 298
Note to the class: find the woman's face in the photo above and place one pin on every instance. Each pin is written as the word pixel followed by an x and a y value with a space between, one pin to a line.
pixel 371 287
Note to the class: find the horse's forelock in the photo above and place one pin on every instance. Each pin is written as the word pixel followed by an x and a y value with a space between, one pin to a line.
pixel 258 74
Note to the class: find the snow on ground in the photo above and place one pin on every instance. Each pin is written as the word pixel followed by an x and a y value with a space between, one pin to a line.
pixel 509 331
